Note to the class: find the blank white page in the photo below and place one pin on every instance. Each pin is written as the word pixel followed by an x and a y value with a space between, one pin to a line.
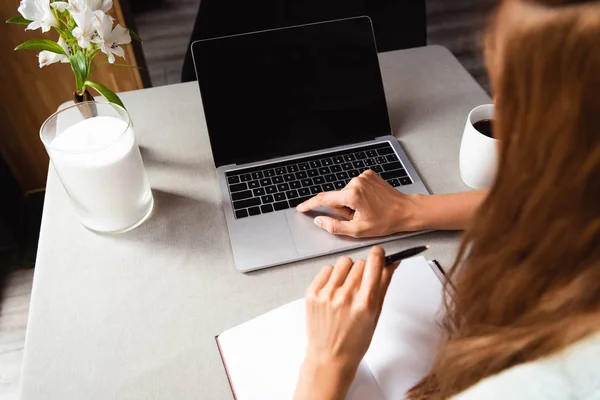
pixel 263 357
pixel 408 334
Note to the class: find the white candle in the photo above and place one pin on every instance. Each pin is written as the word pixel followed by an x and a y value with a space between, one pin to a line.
pixel 100 166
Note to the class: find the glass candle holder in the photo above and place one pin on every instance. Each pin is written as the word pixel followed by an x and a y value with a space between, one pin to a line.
pixel 93 149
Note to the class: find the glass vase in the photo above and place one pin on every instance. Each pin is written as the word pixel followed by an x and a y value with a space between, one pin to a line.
pixel 100 166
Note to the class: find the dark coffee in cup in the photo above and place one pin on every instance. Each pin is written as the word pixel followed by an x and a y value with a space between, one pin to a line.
pixel 478 149
pixel 485 127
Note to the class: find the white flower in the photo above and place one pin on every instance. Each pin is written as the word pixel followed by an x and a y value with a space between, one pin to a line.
pixel 47 57
pixel 38 11
pixel 83 15
pixel 109 38
pixel 102 5
pixel 94 5
pixel 61 5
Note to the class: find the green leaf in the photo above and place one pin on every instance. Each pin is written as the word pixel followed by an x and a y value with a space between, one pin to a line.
pixel 106 92
pixel 41 44
pixel 80 66
pixel 134 35
pixel 19 20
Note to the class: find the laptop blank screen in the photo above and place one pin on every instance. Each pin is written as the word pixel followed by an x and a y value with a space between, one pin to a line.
pixel 293 90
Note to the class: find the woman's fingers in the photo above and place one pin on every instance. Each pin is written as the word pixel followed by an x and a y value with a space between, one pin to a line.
pixel 338 275
pixel 370 278
pixel 320 280
pixel 352 283
pixel 327 199
pixel 336 227
pixel 371 281
pixel 386 279
pixel 345 212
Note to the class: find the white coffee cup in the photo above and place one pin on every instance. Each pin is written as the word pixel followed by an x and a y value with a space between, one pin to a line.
pixel 478 152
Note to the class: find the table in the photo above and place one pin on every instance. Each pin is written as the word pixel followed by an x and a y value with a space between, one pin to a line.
pixel 134 316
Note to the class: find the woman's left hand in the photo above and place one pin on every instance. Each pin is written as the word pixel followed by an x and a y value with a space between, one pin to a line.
pixel 343 305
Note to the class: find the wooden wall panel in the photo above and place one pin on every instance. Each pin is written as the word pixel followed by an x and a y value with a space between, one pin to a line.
pixel 28 94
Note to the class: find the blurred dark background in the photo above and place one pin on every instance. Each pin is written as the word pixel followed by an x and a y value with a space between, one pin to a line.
pixel 167 25
pixel 20 217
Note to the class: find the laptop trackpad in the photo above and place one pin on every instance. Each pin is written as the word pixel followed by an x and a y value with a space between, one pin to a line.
pixel 310 239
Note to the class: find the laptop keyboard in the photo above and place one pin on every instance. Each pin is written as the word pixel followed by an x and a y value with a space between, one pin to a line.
pixel 279 186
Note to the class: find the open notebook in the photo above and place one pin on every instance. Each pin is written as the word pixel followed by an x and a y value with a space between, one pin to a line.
pixel 263 356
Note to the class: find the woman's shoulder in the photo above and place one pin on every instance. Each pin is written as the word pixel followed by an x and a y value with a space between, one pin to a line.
pixel 573 373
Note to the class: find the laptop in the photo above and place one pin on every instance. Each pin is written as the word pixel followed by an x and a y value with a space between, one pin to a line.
pixel 290 113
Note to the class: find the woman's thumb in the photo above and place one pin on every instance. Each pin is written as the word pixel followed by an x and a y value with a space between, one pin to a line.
pixel 334 226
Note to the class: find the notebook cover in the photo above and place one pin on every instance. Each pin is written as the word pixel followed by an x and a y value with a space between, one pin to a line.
pixel 225 366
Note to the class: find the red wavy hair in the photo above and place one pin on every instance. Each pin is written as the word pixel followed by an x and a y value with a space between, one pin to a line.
pixel 527 277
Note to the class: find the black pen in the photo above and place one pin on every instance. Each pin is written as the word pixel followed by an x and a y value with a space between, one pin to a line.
pixel 403 255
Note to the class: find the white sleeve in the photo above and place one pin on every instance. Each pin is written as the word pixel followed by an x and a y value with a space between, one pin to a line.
pixel 524 382
pixel 571 374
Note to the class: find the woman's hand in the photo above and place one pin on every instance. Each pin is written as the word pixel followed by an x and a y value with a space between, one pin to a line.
pixel 343 305
pixel 371 207
pixel 374 208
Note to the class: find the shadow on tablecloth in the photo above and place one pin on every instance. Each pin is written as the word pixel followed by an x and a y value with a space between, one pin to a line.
pixel 183 223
